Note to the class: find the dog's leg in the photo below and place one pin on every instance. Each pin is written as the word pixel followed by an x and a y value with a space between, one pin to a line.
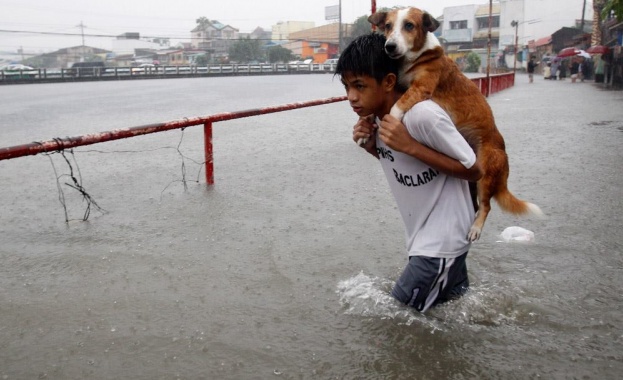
pixel 422 86
pixel 494 165
pixel 484 206
pixel 397 112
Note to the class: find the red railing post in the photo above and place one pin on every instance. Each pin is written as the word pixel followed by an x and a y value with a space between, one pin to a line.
pixel 209 158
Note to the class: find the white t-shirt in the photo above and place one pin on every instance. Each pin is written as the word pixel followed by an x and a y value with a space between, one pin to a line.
pixel 436 208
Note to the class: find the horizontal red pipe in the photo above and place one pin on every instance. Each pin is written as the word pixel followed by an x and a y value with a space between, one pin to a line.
pixel 117 134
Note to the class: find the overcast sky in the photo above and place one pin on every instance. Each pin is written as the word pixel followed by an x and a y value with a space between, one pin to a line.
pixel 173 19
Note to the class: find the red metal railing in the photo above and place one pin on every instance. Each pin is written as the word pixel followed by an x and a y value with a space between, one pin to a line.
pixel 496 83
pixel 117 134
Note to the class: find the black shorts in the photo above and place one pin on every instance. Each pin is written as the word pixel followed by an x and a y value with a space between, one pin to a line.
pixel 428 281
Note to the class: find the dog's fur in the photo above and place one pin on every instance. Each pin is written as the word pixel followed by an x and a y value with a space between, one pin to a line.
pixel 428 73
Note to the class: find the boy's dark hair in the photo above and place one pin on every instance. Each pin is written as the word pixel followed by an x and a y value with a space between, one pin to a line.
pixel 366 56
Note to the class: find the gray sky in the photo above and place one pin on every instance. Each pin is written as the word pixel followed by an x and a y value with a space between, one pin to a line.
pixel 173 19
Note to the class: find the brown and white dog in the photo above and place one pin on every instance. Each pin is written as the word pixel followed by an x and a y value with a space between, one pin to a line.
pixel 428 73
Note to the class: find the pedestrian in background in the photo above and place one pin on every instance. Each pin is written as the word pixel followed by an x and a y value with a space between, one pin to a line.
pixel 531 66
pixel 562 69
pixel 574 70
pixel 599 68
pixel 554 69
pixel 547 71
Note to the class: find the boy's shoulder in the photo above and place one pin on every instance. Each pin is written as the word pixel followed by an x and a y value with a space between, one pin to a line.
pixel 424 110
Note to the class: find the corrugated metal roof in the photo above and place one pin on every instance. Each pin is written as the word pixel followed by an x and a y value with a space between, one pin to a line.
pixel 543 41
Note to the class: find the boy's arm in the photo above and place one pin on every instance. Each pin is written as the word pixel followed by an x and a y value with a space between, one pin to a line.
pixel 396 136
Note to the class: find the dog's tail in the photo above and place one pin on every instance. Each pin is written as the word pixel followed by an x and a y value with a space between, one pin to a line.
pixel 509 203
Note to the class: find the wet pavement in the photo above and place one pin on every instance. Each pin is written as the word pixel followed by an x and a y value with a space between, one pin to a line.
pixel 282 269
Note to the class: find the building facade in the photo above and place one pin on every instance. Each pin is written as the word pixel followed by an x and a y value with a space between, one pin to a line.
pixel 319 43
pixel 282 30
pixel 213 37
pixel 536 19
pixel 465 28
pixel 128 43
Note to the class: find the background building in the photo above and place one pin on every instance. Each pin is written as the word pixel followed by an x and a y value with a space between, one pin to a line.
pixel 538 19
pixel 319 43
pixel 282 30
pixel 128 43
pixel 213 37
pixel 466 28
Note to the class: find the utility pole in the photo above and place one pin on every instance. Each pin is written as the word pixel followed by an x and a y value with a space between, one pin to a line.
pixel 489 48
pixel 340 29
pixel 515 24
pixel 373 11
pixel 82 26
pixel 583 13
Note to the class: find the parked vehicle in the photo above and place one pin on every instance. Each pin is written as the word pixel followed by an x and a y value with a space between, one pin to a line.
pixel 17 70
pixel 86 69
pixel 330 64
pixel 143 68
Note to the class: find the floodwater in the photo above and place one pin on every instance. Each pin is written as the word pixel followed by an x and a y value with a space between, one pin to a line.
pixel 282 269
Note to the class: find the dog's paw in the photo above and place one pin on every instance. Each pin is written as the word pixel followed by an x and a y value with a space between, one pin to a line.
pixel 396 112
pixel 474 234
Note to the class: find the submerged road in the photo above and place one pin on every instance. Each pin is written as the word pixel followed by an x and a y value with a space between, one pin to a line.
pixel 282 269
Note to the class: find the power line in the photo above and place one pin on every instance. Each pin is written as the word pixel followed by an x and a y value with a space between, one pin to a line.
pixel 142 37
pixel 61 33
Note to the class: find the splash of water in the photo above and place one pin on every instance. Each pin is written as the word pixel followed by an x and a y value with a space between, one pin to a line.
pixel 484 305
pixel 370 297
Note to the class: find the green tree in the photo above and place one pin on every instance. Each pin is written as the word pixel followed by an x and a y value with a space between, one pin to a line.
pixel 203 22
pixel 360 27
pixel 201 60
pixel 245 50
pixel 473 62
pixel 279 54
pixel 615 6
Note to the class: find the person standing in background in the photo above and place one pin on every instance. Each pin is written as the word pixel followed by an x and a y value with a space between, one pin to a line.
pixel 563 69
pixel 574 70
pixel 554 69
pixel 599 68
pixel 531 66
pixel 547 71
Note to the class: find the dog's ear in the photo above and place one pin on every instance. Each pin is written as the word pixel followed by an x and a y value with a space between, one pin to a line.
pixel 429 23
pixel 378 19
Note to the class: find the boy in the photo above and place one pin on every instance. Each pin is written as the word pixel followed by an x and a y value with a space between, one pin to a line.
pixel 427 164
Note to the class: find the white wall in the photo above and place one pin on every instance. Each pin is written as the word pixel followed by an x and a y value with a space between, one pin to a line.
pixel 457 13
pixel 282 30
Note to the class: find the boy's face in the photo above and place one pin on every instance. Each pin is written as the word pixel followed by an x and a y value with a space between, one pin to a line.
pixel 365 95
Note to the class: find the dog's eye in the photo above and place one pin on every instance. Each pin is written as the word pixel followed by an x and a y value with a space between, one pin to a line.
pixel 409 26
pixel 388 26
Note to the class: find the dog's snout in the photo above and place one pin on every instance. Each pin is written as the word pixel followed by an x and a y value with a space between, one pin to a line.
pixel 390 47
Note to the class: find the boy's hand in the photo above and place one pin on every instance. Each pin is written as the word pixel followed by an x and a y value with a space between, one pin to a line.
pixel 365 129
pixel 393 133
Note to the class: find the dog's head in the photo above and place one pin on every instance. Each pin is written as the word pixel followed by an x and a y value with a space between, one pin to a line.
pixel 406 30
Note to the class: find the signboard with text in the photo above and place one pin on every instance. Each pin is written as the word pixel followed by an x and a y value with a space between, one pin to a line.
pixel 332 12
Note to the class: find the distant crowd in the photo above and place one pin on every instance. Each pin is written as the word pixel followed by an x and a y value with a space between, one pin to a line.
pixel 576 68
